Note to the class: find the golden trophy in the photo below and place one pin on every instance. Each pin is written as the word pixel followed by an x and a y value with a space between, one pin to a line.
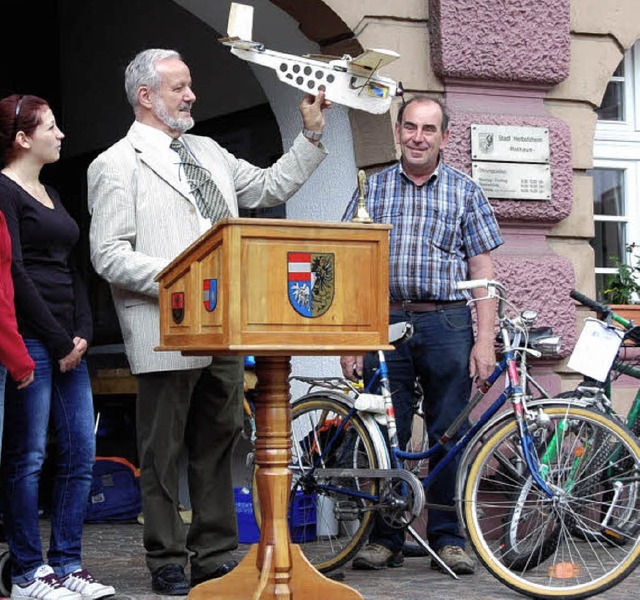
pixel 362 215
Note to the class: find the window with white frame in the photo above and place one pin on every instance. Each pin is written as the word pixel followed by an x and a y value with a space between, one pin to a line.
pixel 616 168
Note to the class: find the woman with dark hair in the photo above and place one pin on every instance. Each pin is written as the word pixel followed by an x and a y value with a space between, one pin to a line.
pixel 54 319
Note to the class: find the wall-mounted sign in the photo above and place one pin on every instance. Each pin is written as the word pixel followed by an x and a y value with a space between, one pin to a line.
pixel 513 181
pixel 509 144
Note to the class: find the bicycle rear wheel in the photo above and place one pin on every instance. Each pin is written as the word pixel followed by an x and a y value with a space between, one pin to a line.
pixel 329 517
pixel 552 560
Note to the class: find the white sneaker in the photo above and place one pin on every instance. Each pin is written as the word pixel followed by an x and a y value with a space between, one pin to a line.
pixel 45 585
pixel 82 582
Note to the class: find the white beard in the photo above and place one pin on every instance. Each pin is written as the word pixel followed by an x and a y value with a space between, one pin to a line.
pixel 177 124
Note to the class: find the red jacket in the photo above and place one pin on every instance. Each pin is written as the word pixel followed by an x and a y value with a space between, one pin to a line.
pixel 13 352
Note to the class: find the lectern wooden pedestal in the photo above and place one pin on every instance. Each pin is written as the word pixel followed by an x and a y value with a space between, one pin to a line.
pixel 275 289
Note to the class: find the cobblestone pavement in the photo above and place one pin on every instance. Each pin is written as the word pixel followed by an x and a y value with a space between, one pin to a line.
pixel 114 554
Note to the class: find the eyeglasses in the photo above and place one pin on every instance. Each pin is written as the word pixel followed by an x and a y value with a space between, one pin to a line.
pixel 15 118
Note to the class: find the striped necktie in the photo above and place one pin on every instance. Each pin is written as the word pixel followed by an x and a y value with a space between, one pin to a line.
pixel 206 193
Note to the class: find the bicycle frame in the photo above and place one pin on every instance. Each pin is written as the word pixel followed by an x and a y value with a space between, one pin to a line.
pixel 625 369
pixel 513 392
pixel 600 393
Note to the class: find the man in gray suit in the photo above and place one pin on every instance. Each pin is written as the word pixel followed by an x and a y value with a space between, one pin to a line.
pixel 145 209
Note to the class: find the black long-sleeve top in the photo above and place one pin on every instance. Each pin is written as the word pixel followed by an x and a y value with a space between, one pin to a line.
pixel 50 297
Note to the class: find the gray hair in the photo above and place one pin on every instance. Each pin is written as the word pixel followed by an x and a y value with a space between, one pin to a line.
pixel 142 71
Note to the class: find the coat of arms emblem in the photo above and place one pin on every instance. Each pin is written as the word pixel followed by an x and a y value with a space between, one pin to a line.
pixel 177 306
pixel 311 282
pixel 210 294
pixel 486 142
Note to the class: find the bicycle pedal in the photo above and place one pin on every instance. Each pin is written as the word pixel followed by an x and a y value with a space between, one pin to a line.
pixel 347 511
pixel 614 536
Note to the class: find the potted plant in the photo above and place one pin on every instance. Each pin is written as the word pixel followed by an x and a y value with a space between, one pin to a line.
pixel 622 288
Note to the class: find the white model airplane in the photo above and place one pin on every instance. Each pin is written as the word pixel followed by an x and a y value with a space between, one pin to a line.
pixel 353 82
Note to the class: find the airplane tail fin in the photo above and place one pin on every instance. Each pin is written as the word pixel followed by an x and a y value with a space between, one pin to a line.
pixel 240 24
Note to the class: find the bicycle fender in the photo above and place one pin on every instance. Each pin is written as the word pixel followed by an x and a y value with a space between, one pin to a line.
pixel 378 439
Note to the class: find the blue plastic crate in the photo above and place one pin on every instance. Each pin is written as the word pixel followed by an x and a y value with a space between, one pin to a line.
pixel 248 532
pixel 303 518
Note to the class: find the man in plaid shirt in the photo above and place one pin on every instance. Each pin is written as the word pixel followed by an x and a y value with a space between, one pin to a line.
pixel 443 232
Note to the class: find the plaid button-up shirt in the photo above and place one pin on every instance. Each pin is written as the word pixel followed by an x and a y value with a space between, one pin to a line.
pixel 436 227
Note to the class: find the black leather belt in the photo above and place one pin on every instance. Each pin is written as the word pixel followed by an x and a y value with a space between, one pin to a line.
pixel 420 307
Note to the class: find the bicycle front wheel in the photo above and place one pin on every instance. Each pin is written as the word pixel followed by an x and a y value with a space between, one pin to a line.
pixel 330 517
pixel 529 540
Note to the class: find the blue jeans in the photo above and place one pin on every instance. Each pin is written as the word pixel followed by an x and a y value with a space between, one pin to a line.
pixel 65 400
pixel 438 353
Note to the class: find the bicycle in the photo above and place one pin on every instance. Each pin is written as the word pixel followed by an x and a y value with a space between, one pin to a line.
pixel 617 512
pixel 371 405
pixel 537 459
pixel 626 363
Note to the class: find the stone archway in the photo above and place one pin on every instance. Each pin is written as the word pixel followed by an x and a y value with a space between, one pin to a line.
pixel 347 27
pixel 321 24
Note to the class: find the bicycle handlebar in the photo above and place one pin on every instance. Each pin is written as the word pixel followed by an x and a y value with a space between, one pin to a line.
pixel 601 309
pixel 491 286
pixel 473 284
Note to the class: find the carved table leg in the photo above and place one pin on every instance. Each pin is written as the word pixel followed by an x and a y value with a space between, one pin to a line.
pixel 274 568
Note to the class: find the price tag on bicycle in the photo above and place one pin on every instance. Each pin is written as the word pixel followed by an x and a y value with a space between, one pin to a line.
pixel 596 349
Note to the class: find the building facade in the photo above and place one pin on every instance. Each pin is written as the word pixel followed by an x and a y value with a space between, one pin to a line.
pixel 548 65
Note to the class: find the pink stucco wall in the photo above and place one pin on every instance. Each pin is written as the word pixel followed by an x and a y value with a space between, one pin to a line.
pixel 497 60
pixel 499 40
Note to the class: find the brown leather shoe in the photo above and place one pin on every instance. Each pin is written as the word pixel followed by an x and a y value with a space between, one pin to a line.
pixel 376 556
pixel 456 559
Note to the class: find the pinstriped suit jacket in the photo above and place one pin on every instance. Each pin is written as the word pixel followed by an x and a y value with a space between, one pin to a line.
pixel 141 220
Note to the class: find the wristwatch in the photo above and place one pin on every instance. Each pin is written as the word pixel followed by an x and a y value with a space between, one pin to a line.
pixel 312 136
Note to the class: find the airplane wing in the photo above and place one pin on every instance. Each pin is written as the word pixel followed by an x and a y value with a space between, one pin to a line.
pixel 371 60
pixel 236 42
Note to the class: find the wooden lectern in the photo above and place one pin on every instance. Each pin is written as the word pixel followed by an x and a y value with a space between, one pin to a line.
pixel 275 289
